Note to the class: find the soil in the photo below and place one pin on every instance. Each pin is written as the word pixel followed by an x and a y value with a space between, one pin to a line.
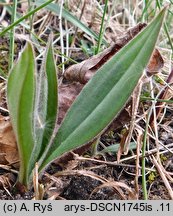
pixel 85 178
pixel 91 176
pixel 71 184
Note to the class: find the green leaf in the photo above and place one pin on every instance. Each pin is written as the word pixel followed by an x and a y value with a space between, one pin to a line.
pixel 114 148
pixel 46 104
pixel 20 98
pixel 106 93
pixel 52 95
pixel 69 17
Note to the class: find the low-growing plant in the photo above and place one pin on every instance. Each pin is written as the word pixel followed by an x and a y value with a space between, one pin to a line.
pixel 33 100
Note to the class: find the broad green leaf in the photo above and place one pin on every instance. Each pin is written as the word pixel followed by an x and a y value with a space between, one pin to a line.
pixel 106 93
pixel 46 105
pixel 20 98
pixel 52 99
pixel 71 18
pixel 45 112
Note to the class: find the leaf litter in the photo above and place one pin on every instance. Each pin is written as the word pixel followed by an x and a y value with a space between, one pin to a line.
pixel 71 178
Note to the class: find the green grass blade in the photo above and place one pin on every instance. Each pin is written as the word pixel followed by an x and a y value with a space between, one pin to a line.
pixel 114 148
pixel 106 93
pixel 20 98
pixel 11 56
pixel 68 16
pixel 3 74
pixel 166 27
pixel 144 182
pixel 102 28
pixel 30 13
pixel 54 8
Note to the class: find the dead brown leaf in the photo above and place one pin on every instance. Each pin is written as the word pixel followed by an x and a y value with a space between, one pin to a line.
pixel 155 64
pixel 83 71
pixel 67 94
pixel 8 146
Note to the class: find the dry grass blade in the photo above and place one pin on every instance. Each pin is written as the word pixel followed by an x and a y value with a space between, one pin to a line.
pixel 54 179
pixel 5 167
pixel 128 195
pixel 162 175
pixel 38 188
pixel 106 183
pixel 54 187
pixel 35 182
pixel 133 157
pixel 165 95
pixel 87 174
pixel 4 111
pixel 81 172
pixel 4 181
pixel 135 104
pixel 139 141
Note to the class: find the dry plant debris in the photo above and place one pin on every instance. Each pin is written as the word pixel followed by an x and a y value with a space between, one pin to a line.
pixel 8 147
pixel 118 177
